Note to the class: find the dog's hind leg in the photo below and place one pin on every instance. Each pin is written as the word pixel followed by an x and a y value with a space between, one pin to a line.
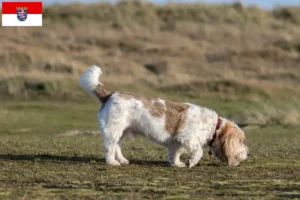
pixel 113 151
pixel 112 122
pixel 120 157
pixel 110 147
pixel 112 135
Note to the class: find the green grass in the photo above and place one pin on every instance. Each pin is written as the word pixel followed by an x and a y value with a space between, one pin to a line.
pixel 36 163
pixel 239 61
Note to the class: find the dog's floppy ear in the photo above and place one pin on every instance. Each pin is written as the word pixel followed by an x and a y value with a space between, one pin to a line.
pixel 228 143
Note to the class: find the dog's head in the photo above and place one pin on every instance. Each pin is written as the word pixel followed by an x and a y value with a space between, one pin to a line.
pixel 229 145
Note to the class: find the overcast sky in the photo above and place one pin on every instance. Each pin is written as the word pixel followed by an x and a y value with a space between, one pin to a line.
pixel 266 4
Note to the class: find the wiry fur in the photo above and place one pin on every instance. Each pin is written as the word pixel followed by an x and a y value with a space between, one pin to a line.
pixel 90 79
pixel 178 126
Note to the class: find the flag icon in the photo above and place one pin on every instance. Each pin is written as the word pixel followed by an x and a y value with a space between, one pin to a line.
pixel 22 14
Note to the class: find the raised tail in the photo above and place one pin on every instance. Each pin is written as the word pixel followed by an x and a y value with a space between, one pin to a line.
pixel 89 81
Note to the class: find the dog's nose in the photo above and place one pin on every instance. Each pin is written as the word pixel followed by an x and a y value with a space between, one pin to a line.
pixel 248 154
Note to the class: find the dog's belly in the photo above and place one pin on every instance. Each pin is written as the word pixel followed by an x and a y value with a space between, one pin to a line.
pixel 152 130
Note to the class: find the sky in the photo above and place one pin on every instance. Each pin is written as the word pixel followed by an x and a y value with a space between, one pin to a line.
pixel 265 4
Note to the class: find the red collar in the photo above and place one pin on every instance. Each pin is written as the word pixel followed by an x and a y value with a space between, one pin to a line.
pixel 215 133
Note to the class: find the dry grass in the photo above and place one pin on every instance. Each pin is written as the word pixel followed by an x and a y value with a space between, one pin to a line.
pixel 241 62
pixel 189 52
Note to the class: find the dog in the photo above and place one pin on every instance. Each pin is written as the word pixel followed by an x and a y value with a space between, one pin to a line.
pixel 181 127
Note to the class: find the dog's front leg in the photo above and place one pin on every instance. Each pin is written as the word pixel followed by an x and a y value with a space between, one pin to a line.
pixel 196 155
pixel 174 152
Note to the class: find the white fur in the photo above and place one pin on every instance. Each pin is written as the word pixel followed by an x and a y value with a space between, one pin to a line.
pixel 90 79
pixel 122 116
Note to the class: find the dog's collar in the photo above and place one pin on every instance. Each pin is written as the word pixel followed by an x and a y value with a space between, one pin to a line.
pixel 215 133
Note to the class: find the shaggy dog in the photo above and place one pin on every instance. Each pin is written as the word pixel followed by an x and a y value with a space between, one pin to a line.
pixel 181 127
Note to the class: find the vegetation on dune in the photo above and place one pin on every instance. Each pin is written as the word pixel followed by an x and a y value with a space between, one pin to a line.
pixel 155 45
pixel 191 51
pixel 129 13
pixel 241 61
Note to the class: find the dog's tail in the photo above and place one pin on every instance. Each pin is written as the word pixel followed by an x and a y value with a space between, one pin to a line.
pixel 89 81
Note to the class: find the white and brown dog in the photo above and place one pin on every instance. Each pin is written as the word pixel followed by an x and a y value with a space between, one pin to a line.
pixel 180 127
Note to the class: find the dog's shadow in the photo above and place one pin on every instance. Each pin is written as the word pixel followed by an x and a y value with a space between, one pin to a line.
pixel 85 159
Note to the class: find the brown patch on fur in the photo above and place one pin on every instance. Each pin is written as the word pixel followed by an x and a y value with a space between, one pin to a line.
pixel 175 116
pixel 102 94
pixel 175 112
pixel 156 109
pixel 144 100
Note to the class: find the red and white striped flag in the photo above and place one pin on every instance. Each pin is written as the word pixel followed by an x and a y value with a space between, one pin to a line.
pixel 22 14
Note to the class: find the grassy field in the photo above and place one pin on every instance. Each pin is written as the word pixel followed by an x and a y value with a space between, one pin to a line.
pixel 241 61
pixel 41 158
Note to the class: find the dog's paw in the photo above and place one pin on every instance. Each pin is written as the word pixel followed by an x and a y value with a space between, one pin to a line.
pixel 124 161
pixel 192 164
pixel 113 163
pixel 180 164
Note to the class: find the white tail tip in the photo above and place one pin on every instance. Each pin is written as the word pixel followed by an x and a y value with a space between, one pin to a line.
pixel 90 79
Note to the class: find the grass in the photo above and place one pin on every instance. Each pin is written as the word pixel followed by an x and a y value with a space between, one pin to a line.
pixel 38 163
pixel 240 61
